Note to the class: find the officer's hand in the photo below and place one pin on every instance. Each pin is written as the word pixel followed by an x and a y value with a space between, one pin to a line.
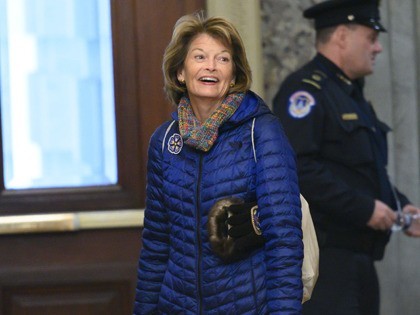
pixel 414 229
pixel 382 218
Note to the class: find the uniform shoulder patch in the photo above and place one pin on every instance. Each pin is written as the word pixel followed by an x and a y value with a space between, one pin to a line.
pixel 300 104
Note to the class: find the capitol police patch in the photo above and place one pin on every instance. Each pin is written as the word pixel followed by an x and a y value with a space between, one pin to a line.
pixel 175 143
pixel 300 104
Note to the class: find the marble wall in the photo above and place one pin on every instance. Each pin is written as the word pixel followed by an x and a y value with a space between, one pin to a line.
pixel 287 38
pixel 288 42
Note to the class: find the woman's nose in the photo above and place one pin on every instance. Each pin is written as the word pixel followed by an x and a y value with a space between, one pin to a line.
pixel 210 64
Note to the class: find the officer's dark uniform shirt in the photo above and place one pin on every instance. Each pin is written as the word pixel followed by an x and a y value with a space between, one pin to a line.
pixel 341 153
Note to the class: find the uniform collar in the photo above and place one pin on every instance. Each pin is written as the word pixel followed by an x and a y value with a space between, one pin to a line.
pixel 335 73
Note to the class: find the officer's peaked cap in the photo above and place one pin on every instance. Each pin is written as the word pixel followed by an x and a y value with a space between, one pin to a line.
pixel 335 12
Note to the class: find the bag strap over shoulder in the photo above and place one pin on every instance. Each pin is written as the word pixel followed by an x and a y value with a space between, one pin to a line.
pixel 252 139
pixel 310 262
pixel 166 133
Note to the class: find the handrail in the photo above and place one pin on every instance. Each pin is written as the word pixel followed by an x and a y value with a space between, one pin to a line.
pixel 74 221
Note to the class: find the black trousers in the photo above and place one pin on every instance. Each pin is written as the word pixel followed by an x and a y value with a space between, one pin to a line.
pixel 347 285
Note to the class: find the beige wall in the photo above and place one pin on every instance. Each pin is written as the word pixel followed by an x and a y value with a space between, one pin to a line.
pixel 395 89
pixel 245 14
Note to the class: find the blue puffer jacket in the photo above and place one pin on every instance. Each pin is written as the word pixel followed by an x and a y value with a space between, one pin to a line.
pixel 178 272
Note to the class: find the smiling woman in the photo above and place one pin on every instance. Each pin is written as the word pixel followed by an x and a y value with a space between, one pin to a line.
pixel 202 157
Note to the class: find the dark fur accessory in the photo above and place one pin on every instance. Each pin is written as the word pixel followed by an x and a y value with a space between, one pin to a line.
pixel 233 229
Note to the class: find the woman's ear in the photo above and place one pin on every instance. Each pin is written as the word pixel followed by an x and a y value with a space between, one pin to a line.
pixel 180 76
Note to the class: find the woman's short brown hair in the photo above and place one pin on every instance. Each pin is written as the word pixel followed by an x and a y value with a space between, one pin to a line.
pixel 185 30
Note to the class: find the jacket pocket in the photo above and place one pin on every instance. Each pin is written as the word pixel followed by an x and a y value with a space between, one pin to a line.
pixel 349 142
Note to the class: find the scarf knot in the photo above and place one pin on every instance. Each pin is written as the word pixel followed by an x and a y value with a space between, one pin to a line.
pixel 202 136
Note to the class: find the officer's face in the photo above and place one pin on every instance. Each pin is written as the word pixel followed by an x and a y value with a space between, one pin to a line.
pixel 207 71
pixel 361 50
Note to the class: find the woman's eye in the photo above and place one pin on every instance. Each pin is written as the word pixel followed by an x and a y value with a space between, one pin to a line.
pixel 224 59
pixel 199 57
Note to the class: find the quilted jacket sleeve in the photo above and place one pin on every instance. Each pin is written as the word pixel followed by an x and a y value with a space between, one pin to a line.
pixel 154 254
pixel 280 215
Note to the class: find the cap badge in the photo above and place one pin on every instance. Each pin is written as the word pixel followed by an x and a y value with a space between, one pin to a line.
pixel 300 104
pixel 175 143
pixel 350 17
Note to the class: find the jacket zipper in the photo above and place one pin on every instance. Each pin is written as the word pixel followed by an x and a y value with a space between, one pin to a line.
pixel 198 193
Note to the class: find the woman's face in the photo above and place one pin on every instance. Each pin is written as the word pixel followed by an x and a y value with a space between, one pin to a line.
pixel 207 70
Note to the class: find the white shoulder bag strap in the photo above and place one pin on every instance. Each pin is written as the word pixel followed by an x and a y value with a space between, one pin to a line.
pixel 310 263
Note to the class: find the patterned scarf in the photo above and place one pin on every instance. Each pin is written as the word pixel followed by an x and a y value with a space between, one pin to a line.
pixel 202 136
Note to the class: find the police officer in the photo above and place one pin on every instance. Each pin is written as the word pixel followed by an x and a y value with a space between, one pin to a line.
pixel 342 156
